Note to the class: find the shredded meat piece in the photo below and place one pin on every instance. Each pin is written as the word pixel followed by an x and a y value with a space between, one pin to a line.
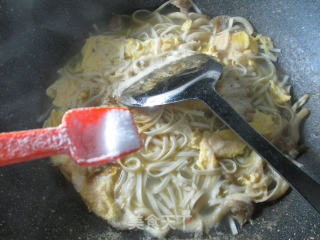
pixel 240 207
pixel 288 140
pixel 241 210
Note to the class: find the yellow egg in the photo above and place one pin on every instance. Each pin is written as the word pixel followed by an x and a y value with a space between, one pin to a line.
pixel 195 139
pixel 243 48
pixel 278 93
pixel 135 48
pixel 234 48
pixel 63 91
pixel 240 40
pixel 186 25
pixel 224 143
pixel 254 177
pixel 263 123
pixel 100 52
pixel 83 95
pixel 207 159
pixel 169 43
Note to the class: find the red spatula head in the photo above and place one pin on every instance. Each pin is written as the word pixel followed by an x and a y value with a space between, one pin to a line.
pixel 101 134
pixel 89 135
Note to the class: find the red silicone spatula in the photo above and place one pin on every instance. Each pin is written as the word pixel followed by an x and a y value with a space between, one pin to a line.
pixel 89 135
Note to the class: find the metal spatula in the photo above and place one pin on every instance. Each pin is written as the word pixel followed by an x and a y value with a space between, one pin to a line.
pixel 194 77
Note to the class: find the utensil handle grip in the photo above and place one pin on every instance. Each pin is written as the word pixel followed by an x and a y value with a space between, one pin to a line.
pixel 296 178
pixel 27 145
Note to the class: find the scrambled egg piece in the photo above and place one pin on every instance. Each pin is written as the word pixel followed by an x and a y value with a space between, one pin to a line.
pixel 63 92
pixel 263 123
pixel 207 158
pixel 186 26
pixel 98 194
pixel 220 144
pixel 195 139
pixel 278 93
pixel 94 185
pixel 225 143
pixel 238 46
pixel 99 52
pixel 135 48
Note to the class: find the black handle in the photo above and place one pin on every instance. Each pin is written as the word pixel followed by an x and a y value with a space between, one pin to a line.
pixel 296 178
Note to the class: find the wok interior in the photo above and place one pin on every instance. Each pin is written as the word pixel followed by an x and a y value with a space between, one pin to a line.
pixel 37 37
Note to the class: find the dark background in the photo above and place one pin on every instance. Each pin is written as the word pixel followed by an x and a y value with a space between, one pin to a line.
pixel 36 38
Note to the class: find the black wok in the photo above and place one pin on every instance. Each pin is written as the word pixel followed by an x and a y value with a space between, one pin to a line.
pixel 38 36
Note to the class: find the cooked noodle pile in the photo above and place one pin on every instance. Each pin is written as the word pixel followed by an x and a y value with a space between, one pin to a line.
pixel 192 170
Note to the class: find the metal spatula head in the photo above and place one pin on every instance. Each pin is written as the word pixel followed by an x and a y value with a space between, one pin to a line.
pixel 171 83
pixel 194 77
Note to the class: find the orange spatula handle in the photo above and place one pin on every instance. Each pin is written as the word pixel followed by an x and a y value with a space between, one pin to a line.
pixel 32 144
